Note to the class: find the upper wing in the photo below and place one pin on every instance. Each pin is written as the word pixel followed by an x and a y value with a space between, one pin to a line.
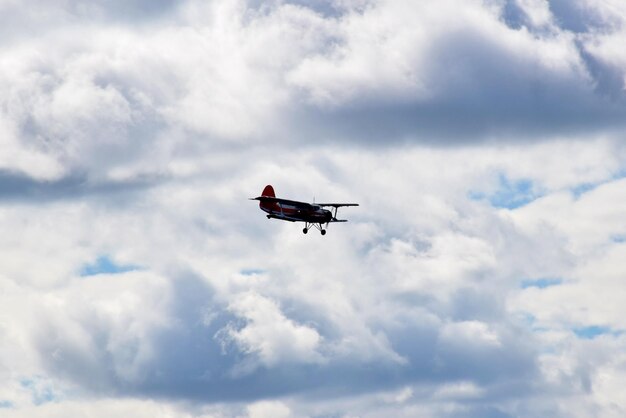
pixel 337 205
pixel 301 205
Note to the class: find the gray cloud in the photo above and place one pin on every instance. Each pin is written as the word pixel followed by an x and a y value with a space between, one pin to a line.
pixel 579 17
pixel 87 110
pixel 609 79
pixel 481 88
pixel 21 188
pixel 189 362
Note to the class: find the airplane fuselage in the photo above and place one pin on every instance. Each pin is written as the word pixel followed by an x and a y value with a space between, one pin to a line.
pixel 295 212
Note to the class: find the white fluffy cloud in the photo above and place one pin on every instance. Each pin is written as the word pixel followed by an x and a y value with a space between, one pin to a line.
pixel 481 275
pixel 269 334
pixel 424 284
pixel 122 100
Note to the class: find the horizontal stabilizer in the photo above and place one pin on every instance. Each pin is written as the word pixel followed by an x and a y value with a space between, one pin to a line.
pixel 338 220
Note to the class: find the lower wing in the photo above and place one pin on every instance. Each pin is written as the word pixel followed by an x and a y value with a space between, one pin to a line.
pixel 337 205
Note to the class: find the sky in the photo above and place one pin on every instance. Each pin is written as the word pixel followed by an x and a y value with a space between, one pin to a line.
pixel 482 275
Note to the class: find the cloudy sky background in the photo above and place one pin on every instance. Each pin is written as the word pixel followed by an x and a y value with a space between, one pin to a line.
pixel 482 275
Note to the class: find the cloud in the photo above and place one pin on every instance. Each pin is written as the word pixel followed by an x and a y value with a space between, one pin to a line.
pixel 136 131
pixel 459 74
pixel 416 298
pixel 103 408
pixel 124 101
pixel 269 334
pixel 268 410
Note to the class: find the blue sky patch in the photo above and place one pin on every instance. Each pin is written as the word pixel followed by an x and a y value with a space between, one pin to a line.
pixel 41 392
pixel 587 187
pixel 582 189
pixel 6 404
pixel 511 194
pixel 541 283
pixel 252 272
pixel 591 332
pixel 104 265
pixel 473 195
pixel 618 238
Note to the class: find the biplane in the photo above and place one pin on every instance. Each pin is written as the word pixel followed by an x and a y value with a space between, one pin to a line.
pixel 312 214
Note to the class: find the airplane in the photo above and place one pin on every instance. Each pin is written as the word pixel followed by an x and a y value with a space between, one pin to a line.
pixel 312 214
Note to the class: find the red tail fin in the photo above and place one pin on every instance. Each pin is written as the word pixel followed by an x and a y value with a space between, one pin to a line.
pixel 269 206
pixel 268 191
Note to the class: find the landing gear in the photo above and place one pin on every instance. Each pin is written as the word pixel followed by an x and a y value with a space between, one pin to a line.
pixel 308 226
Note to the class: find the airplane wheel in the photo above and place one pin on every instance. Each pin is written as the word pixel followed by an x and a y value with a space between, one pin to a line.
pixel 268 216
pixel 323 232
pixel 304 231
